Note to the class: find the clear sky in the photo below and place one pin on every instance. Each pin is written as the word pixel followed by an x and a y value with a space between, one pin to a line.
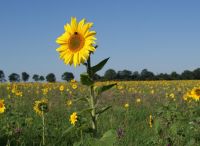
pixel 160 35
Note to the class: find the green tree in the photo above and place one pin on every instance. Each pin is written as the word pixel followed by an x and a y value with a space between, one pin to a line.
pixel 136 75
pixel 147 75
pixel 124 75
pixel 187 75
pixel 14 77
pixel 36 77
pixel 67 76
pixel 41 78
pixel 110 74
pixel 175 76
pixel 196 74
pixel 25 76
pixel 51 77
pixel 2 76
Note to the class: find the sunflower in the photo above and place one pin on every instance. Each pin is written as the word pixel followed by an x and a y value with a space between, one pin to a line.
pixel 76 42
pixel 41 106
pixel 2 106
pixel 195 93
pixel 126 105
pixel 69 103
pixel 73 118
pixel 150 121
pixel 74 86
pixel 61 88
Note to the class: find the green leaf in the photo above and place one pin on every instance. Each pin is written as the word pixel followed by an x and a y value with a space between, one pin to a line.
pixel 86 80
pixel 86 110
pixel 103 110
pixel 81 99
pixel 101 89
pixel 108 139
pixel 99 66
pixel 78 143
pixel 68 130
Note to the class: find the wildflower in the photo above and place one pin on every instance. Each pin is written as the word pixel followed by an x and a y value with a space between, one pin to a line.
pixel 73 81
pixel 172 95
pixel 77 42
pixel 61 88
pixel 2 106
pixel 126 105
pixel 150 121
pixel 74 86
pixel 69 102
pixel 73 118
pixel 138 100
pixel 119 87
pixel 41 106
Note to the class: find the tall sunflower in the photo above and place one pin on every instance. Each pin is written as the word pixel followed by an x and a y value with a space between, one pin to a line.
pixel 76 42
pixel 41 106
pixel 2 106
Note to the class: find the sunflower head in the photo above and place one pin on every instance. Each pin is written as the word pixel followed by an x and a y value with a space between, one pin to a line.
pixel 195 93
pixel 41 106
pixel 2 106
pixel 73 118
pixel 76 42
pixel 126 105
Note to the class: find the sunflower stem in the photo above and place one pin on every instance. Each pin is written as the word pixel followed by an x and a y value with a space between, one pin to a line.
pixel 92 101
pixel 43 130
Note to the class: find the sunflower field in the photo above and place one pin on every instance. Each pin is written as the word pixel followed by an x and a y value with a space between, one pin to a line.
pixel 141 113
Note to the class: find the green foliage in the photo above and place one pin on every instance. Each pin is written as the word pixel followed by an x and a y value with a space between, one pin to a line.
pixel 14 77
pixel 51 78
pixel 104 88
pixel 86 80
pixel 99 66
pixel 25 76
pixel 110 74
pixel 2 76
pixel 67 76
pixel 36 77
pixel 108 139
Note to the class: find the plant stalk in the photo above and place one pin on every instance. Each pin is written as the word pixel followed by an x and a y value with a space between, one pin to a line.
pixel 92 99
pixel 43 130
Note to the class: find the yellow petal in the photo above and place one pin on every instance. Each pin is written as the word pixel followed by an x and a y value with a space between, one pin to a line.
pixel 80 25
pixel 73 24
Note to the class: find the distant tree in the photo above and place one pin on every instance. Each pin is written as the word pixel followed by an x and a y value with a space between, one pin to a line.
pixel 124 75
pixel 41 78
pixel 175 76
pixel 2 76
pixel 51 77
pixel 187 75
pixel 147 75
pixel 136 75
pixel 14 77
pixel 67 76
pixel 163 76
pixel 196 74
pixel 25 76
pixel 36 77
pixel 110 74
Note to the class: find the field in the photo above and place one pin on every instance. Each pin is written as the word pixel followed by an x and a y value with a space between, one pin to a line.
pixel 143 113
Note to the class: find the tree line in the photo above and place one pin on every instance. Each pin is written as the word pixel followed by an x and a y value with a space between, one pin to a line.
pixel 109 75
pixel 25 77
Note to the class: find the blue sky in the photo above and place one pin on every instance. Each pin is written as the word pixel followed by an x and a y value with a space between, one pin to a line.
pixel 160 35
